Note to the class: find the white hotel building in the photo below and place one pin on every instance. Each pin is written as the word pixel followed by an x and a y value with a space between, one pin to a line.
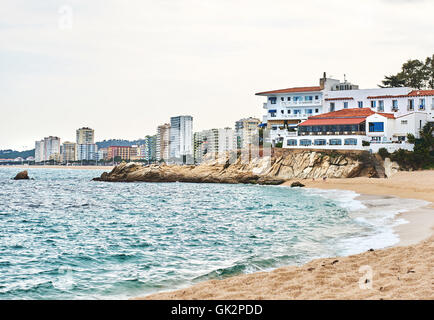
pixel 384 118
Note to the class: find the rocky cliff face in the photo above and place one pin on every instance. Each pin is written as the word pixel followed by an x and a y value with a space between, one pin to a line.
pixel 282 165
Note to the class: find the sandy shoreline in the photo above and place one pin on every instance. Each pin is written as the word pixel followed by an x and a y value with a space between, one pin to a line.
pixel 405 271
pixel 107 168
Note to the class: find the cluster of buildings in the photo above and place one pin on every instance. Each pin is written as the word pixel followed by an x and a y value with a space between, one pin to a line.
pixel 174 142
pixel 339 115
pixel 84 149
pixel 333 115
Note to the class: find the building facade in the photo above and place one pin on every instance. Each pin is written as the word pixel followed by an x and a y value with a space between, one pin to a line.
pixel 246 132
pixel 163 142
pixel 39 151
pixel 85 136
pixel 286 108
pixel 51 148
pixel 87 152
pixel 69 152
pixel 120 152
pixel 181 139
pixel 393 113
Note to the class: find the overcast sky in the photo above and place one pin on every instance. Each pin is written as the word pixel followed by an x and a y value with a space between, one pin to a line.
pixel 124 67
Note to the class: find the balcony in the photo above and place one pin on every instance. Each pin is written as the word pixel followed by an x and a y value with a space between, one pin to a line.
pixel 265 106
pixel 300 103
pixel 289 116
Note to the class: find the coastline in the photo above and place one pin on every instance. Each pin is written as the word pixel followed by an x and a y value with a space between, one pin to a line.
pixel 19 166
pixel 402 271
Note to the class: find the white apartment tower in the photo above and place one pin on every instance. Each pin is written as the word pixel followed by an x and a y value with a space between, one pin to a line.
pixel 181 139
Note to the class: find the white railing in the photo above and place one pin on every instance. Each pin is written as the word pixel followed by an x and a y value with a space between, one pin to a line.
pixel 289 116
pixel 299 103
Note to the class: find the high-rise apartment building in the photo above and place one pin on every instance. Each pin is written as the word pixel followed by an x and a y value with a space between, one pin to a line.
pixel 163 142
pixel 246 132
pixel 87 150
pixel 51 148
pixel 181 139
pixel 69 152
pixel 39 151
pixel 85 136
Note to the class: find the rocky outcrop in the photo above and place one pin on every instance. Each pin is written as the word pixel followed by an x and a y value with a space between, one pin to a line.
pixel 23 175
pixel 282 165
pixel 390 167
pixel 297 184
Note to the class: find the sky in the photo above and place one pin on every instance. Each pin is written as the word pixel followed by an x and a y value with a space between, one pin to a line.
pixel 124 67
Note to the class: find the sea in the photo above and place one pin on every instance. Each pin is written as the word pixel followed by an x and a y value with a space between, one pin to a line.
pixel 64 236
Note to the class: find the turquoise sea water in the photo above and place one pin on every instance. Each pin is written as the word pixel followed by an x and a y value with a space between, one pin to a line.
pixel 63 236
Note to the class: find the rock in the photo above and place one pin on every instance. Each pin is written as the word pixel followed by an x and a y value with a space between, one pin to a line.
pixel 390 167
pixel 335 261
pixel 281 166
pixel 23 175
pixel 297 184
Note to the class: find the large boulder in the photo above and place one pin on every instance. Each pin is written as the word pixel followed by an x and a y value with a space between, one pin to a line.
pixel 297 184
pixel 23 175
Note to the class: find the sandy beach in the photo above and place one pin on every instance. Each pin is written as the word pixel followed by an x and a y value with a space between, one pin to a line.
pixel 405 271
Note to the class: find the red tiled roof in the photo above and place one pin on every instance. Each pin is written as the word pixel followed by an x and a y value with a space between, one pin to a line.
pixel 335 121
pixel 337 99
pixel 344 116
pixel 387 115
pixel 346 113
pixel 421 93
pixel 414 93
pixel 290 90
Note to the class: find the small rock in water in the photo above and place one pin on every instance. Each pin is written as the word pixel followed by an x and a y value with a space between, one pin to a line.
pixel 297 184
pixel 23 175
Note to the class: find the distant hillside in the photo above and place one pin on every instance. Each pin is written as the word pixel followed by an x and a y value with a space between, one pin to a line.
pixel 12 154
pixel 119 142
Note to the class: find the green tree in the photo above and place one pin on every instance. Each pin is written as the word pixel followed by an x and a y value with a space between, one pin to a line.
pixel 414 74
pixel 429 70
pixel 392 81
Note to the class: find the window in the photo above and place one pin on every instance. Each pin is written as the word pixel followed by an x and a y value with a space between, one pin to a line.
pixel 380 105
pixel 308 98
pixel 404 121
pixel 335 142
pixel 345 105
pixel 272 113
pixel 317 110
pixel 289 111
pixel 272 100
pixel 332 106
pixel 282 99
pixel 422 104
pixel 289 98
pixel 316 97
pixel 373 104
pixel 297 111
pixel 395 104
pixel 291 142
pixel 320 142
pixel 376 126
pixel 410 104
pixel 350 142
pixel 282 111
pixel 360 103
pixel 432 105
pixel 305 142
pixel 309 111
